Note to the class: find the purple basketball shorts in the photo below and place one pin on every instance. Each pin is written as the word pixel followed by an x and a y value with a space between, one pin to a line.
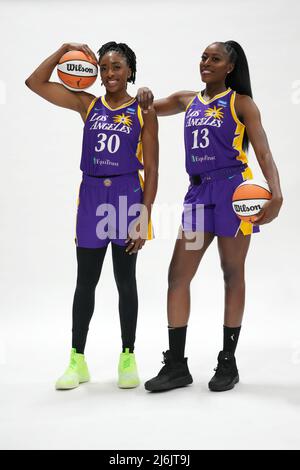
pixel 208 206
pixel 106 207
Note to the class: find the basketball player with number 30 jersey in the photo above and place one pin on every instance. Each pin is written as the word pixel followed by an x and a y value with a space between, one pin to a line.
pixel 112 152
pixel 114 203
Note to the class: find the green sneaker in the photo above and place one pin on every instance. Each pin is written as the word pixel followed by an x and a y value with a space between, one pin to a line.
pixel 76 373
pixel 128 374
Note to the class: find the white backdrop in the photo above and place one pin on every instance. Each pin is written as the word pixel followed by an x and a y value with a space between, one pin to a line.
pixel 40 154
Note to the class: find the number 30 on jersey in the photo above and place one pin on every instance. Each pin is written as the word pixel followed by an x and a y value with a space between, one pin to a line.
pixel 112 143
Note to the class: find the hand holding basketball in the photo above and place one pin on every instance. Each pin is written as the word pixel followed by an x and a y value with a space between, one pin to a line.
pixel 252 201
pixel 77 68
pixel 74 46
pixel 269 212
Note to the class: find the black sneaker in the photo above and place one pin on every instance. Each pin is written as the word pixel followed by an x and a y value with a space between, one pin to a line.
pixel 226 375
pixel 174 374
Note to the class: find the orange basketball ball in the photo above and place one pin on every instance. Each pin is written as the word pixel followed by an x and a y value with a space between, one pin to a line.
pixel 249 198
pixel 76 70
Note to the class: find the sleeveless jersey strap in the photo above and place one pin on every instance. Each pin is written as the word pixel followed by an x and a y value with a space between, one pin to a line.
pixel 190 102
pixel 232 109
pixel 140 115
pixel 90 107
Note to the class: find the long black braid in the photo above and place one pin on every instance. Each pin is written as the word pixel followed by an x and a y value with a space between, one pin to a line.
pixel 239 78
pixel 126 52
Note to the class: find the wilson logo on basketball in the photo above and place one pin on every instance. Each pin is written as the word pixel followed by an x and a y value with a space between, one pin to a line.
pixel 240 209
pixel 78 68
pixel 249 198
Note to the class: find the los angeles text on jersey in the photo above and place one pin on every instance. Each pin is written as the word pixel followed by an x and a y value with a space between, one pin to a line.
pixel 99 122
pixel 193 118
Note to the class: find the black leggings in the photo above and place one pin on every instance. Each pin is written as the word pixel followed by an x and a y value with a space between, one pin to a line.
pixel 89 262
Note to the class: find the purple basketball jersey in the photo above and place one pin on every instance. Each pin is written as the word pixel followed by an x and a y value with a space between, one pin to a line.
pixel 112 139
pixel 213 134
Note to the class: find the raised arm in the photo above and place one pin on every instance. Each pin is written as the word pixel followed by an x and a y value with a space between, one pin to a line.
pixel 173 104
pixel 248 112
pixel 55 92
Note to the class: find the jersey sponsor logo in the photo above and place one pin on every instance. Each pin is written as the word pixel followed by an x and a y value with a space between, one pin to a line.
pixel 206 158
pixel 222 103
pixel 99 161
pixel 130 110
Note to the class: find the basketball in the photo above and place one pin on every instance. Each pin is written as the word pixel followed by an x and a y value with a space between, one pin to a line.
pixel 249 198
pixel 76 70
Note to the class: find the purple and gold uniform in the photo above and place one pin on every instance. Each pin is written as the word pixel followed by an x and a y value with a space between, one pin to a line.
pixel 111 159
pixel 216 164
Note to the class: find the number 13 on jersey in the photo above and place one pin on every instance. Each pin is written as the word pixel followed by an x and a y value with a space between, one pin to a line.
pixel 204 140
